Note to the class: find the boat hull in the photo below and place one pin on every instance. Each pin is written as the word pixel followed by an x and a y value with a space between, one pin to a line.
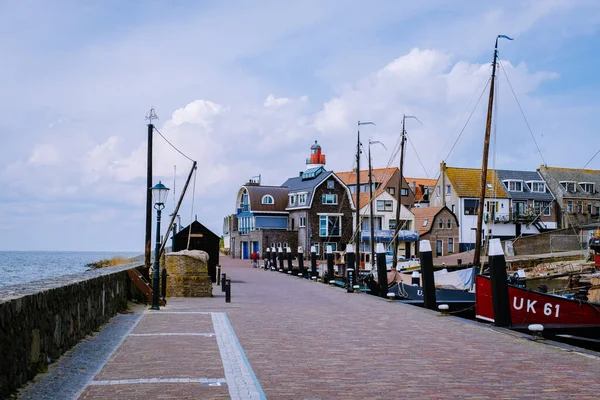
pixel 531 307
pixel 457 300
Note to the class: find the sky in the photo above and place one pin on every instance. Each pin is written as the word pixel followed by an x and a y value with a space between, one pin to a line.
pixel 246 87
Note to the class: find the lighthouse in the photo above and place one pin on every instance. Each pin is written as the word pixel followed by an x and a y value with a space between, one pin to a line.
pixel 316 159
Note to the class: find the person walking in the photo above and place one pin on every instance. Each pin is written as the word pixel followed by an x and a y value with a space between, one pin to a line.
pixel 254 257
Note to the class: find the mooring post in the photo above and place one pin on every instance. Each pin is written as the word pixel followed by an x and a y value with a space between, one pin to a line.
pixel 163 282
pixel 223 278
pixel 500 299
pixel 329 264
pixel 426 257
pixel 381 271
pixel 218 275
pixel 313 261
pixel 289 258
pixel 228 291
pixel 267 257
pixel 273 259
pixel 350 260
pixel 301 261
pixel 280 259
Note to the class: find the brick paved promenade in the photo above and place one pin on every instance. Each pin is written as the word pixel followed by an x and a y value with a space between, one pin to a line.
pixel 286 338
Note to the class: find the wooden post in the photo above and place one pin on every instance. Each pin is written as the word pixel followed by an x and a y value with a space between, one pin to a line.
pixel 426 256
pixel 500 299
pixel 381 270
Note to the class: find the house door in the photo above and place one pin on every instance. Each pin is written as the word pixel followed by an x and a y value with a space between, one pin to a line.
pixel 245 254
pixel 519 208
pixel 438 248
pixel 255 246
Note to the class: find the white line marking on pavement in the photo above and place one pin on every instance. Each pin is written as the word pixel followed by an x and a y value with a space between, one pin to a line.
pixel 207 381
pixel 241 381
pixel 184 312
pixel 173 334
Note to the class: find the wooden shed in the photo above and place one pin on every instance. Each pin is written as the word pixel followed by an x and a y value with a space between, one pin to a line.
pixel 200 238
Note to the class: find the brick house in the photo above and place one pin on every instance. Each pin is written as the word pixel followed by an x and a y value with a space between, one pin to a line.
pixel 577 193
pixel 320 206
pixel 440 226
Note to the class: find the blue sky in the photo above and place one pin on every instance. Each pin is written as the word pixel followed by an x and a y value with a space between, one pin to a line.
pixel 245 87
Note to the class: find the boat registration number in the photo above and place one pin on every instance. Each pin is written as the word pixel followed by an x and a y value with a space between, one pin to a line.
pixel 531 306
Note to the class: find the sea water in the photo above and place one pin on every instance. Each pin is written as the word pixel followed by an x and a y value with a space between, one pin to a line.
pixel 26 266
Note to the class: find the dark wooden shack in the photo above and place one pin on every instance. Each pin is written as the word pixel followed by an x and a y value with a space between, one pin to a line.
pixel 200 238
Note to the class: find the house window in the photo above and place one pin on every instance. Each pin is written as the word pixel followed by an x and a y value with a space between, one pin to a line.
pixel 453 209
pixel 330 184
pixel 268 199
pixel 392 224
pixel 329 198
pixel 514 186
pixel 538 187
pixel 589 208
pixel 587 187
pixel 448 189
pixel 541 208
pixel 489 186
pixel 439 190
pixel 597 210
pixel 471 206
pixel 384 205
pixel 450 245
pixel 329 225
pixel 292 200
pixel 579 207
pixel 449 223
pixel 569 186
pixel 302 222
pixel 404 192
pixel 391 190
pixel 425 221
pixel 569 206
pixel 441 223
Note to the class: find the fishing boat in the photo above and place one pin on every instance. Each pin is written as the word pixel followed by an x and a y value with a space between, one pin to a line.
pixel 559 315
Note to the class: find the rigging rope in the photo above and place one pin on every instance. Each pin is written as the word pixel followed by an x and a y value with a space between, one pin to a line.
pixel 172 145
pixel 522 113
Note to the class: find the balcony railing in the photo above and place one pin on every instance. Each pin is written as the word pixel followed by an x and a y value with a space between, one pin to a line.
pixel 496 217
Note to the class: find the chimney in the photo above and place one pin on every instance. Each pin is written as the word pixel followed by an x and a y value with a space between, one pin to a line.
pixel 300 174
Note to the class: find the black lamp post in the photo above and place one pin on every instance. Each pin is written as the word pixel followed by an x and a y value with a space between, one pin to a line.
pixel 159 195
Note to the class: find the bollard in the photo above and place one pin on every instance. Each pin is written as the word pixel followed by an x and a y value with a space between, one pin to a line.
pixel 350 258
pixel 381 270
pixel 415 278
pixel 280 259
pixel 313 261
pixel 228 291
pixel 163 282
pixel 273 259
pixel 267 257
pixel 426 257
pixel 330 276
pixel 301 261
pixel 218 275
pixel 500 299
pixel 289 259
pixel 444 309
pixel 223 278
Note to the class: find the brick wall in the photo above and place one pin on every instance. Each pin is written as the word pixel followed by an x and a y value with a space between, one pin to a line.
pixel 548 242
pixel 188 274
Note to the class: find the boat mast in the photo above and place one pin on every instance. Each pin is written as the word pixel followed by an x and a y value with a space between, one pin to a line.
pixel 371 221
pixel 357 237
pixel 484 162
pixel 399 191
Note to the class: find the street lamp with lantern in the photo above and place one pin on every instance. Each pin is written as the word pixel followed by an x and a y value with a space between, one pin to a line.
pixel 159 195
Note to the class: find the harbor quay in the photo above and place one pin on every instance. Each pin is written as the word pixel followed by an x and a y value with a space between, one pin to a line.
pixel 284 337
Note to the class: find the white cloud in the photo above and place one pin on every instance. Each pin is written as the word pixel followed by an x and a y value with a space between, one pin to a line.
pixel 45 155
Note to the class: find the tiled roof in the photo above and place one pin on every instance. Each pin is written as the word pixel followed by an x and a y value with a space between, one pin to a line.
pixel 422 214
pixel 296 185
pixel 418 183
pixel 380 175
pixel 557 175
pixel 256 193
pixel 524 176
pixel 467 182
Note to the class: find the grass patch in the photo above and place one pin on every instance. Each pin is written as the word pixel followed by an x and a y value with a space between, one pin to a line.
pixel 110 262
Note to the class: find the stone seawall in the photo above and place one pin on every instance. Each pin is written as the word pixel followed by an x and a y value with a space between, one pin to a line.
pixel 41 320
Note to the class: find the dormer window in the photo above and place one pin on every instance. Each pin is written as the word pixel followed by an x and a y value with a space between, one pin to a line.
pixel 292 199
pixel 569 186
pixel 537 186
pixel 489 186
pixel 587 187
pixel 513 186
pixel 302 198
pixel 267 199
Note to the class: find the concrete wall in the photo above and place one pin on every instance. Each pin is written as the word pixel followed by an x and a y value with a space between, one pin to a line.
pixel 41 320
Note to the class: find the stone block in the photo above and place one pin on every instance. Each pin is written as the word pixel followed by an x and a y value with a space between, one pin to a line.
pixel 188 276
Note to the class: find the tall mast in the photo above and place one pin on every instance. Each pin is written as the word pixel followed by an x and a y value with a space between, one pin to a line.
pixel 399 191
pixel 484 160
pixel 357 237
pixel 150 115
pixel 371 221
